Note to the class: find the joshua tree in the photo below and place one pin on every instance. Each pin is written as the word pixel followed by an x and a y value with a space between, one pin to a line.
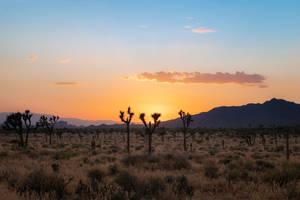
pixel 27 121
pixel 49 124
pixel 186 119
pixel 150 128
pixel 127 122
pixel 14 122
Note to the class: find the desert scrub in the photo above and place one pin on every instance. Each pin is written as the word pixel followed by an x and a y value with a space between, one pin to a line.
pixel 283 175
pixel 160 161
pixel 41 184
pixel 64 155
pixel 211 169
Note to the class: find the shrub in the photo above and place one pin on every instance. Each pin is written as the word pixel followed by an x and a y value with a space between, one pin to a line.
pixel 181 187
pixel 128 182
pixel 113 169
pixel 162 162
pixel 55 167
pixel 264 165
pixel 96 175
pixel 155 185
pixel 283 175
pixel 211 170
pixel 42 184
pixel 64 155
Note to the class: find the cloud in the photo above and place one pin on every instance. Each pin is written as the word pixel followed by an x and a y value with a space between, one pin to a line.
pixel 187 27
pixel 143 26
pixel 189 18
pixel 66 83
pixel 32 58
pixel 64 60
pixel 240 78
pixel 203 30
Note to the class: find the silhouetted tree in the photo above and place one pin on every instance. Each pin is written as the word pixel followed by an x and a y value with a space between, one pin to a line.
pixel 14 122
pixel 48 124
pixel 27 121
pixel 150 128
pixel 127 122
pixel 186 119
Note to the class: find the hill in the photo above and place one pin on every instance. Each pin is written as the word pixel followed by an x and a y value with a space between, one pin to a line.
pixel 272 112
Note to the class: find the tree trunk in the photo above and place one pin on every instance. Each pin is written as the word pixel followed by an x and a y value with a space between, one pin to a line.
pixel 287 146
pixel 50 138
pixel 21 139
pixel 184 140
pixel 26 139
pixel 150 143
pixel 128 139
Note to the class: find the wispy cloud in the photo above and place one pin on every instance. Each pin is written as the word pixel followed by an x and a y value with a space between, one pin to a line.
pixel 32 58
pixel 142 26
pixel 66 83
pixel 64 60
pixel 187 27
pixel 240 78
pixel 202 30
pixel 189 18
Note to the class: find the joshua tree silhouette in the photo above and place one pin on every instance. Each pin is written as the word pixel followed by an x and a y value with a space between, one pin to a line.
pixel 186 119
pixel 14 122
pixel 127 122
pixel 150 128
pixel 27 121
pixel 49 124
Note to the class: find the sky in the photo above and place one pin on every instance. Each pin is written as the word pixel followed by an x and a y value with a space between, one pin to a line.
pixel 92 58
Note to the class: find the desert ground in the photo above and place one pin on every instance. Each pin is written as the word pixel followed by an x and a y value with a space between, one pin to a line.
pixel 94 164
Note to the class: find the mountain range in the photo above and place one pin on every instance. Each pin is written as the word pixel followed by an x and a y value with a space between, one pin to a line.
pixel 70 121
pixel 273 112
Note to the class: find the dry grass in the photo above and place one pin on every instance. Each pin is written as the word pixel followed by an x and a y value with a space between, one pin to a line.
pixel 70 169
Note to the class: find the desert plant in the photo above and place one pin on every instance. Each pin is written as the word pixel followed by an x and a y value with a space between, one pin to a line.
pixel 48 124
pixel 14 122
pixel 127 122
pixel 249 137
pixel 43 184
pixel 27 121
pixel 150 128
pixel 186 119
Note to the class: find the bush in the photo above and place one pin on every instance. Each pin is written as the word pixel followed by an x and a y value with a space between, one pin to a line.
pixel 181 187
pixel 211 170
pixel 96 175
pixel 113 169
pixel 264 165
pixel 42 184
pixel 162 162
pixel 282 176
pixel 128 182
pixel 64 155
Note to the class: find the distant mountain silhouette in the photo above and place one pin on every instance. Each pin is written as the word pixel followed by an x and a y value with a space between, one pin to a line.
pixel 272 112
pixel 70 121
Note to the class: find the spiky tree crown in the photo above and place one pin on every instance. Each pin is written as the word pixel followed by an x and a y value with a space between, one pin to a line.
pixel 186 118
pixel 155 117
pixel 27 118
pixel 128 118
pixel 47 122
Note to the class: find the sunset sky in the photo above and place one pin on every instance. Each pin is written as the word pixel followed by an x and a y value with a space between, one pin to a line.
pixel 91 58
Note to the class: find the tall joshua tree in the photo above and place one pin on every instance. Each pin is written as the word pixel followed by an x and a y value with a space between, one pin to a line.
pixel 27 121
pixel 150 128
pixel 14 122
pixel 186 119
pixel 127 122
pixel 49 124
